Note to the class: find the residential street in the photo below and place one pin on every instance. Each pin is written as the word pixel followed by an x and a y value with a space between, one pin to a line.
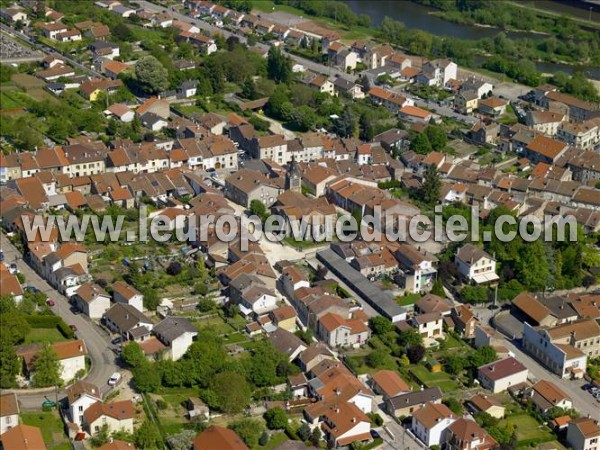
pixel 582 400
pixel 97 343
pixel 212 29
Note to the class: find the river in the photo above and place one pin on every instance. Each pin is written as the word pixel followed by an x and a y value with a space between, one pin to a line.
pixel 415 16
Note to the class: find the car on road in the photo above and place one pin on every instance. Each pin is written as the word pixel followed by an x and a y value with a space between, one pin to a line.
pixel 73 327
pixel 32 289
pixel 50 302
pixel 1 256
pixel 48 404
pixel 114 379
pixel 587 387
pixel 116 341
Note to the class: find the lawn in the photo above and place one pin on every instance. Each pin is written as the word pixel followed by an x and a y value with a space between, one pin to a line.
pixel 528 428
pixel 434 379
pixel 11 99
pixel 44 335
pixel 217 324
pixel 275 441
pixel 51 426
pixel 406 300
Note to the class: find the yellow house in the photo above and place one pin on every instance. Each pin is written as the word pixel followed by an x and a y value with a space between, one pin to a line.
pixel 466 102
pixel 284 317
pixel 91 89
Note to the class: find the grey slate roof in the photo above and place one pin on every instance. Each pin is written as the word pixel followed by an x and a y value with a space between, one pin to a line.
pixel 416 398
pixel 125 316
pixel 172 327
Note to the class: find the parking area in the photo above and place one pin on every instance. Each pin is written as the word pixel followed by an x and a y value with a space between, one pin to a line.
pixel 508 324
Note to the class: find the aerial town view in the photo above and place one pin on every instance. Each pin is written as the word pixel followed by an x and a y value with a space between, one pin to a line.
pixel 299 224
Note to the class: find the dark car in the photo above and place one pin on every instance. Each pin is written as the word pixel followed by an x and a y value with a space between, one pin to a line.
pixel 32 289
pixel 116 341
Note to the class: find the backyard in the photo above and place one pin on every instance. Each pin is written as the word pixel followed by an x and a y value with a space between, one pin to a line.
pixel 51 425
pixel 433 379
pixel 44 335
pixel 528 429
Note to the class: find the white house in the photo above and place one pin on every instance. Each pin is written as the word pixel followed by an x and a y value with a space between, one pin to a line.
pixel 81 396
pixel 252 295
pixel 71 355
pixel 345 424
pixel 92 300
pixel 14 14
pixel 292 279
pixel 9 412
pixel 546 395
pixel 500 375
pixel 117 416
pixel 126 293
pixel 430 422
pixel 177 333
pixel 475 265
pixel 583 434
pixel 339 332
pixel 418 267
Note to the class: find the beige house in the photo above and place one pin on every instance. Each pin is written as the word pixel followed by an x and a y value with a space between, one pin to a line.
pixel 487 404
pixel 92 300
pixel 118 416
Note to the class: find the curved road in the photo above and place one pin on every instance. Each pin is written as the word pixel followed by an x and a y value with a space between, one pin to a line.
pixel 97 342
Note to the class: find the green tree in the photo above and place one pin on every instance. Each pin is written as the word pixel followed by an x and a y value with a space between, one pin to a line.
pixel 266 359
pixel 377 358
pixel 279 66
pixel 380 325
pixel 409 338
pixel 9 363
pixel 453 405
pixel 148 437
pixel 437 137
pixel 438 288
pixel 420 144
pixel 304 432
pixel 532 266
pixel 249 430
pixel 346 125
pixel 303 118
pixel 151 75
pixel 182 440
pixel 146 377
pixel 46 367
pixel 432 185
pixel 259 209
pixel 232 391
pixel 133 355
pixel 315 437
pixel 276 419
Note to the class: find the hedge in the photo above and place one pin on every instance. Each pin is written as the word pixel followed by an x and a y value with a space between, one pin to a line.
pixel 65 330
pixel 38 321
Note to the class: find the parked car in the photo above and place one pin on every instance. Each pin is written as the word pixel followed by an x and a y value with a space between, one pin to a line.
pixel 1 256
pixel 50 302
pixel 116 341
pixel 32 289
pixel 114 379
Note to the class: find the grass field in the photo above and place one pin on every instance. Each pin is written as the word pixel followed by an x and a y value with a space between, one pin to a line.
pixel 51 425
pixel 528 428
pixel 27 81
pixel 406 300
pixel 434 379
pixel 44 335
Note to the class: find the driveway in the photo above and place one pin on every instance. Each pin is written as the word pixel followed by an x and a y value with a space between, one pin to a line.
pixel 96 341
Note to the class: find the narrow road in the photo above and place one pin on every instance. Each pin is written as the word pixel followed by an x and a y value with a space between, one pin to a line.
pixel 97 343
pixel 316 67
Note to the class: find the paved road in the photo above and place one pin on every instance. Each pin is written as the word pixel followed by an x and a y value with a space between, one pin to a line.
pixel 226 33
pixel 97 343
pixel 48 50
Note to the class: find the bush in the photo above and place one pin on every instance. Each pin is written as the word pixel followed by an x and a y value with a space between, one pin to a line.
pixel 65 330
pixel 161 404
pixel 376 419
pixel 276 419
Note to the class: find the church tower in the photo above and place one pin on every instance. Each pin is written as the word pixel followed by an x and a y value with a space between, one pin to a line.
pixel 293 178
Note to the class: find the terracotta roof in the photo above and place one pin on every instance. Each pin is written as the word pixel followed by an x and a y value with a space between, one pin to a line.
pixel 546 146
pixel 64 350
pixel 586 426
pixel 68 248
pixel 8 405
pixel 390 382
pixel 469 431
pixel 579 330
pixel 23 437
pixel 121 410
pixel 117 445
pixel 216 437
pixel 432 413
pixel 81 388
pixel 283 313
pixel 549 392
pixel 90 291
pixel 124 289
pixel 9 284
pixel 493 102
pixel 415 111
pixel 531 306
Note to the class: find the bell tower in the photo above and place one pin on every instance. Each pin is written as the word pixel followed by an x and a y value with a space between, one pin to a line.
pixel 293 178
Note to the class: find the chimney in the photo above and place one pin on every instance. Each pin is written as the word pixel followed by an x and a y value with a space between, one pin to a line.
pixel 354 420
pixel 80 348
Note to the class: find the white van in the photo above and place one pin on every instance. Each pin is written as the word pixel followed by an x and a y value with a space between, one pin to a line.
pixel 114 379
